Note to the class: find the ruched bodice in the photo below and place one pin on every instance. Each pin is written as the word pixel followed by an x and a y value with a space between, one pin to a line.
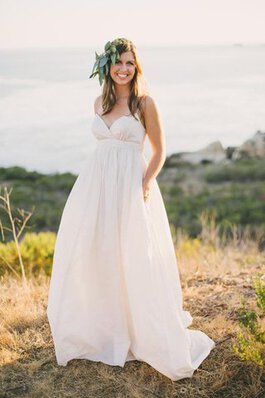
pixel 125 128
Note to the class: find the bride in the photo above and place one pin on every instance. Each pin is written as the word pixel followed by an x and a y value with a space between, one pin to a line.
pixel 115 292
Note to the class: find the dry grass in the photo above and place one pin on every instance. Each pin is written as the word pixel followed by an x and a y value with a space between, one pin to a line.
pixel 214 281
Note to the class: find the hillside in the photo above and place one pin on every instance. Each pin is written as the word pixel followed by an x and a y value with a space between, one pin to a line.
pixel 234 191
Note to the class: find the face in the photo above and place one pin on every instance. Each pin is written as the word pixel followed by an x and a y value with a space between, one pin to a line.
pixel 123 71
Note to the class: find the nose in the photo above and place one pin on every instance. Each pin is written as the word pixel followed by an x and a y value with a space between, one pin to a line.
pixel 123 67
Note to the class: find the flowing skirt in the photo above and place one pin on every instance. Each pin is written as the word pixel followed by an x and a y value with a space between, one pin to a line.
pixel 115 292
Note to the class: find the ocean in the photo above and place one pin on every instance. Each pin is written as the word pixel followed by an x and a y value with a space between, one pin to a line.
pixel 205 93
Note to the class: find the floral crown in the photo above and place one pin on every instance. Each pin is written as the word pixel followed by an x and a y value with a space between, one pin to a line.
pixel 111 54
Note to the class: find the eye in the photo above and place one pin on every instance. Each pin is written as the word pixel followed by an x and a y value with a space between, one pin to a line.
pixel 129 62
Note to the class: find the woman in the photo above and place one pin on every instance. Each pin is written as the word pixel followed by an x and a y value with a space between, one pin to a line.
pixel 115 292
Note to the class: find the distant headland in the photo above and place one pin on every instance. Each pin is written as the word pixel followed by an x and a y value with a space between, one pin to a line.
pixel 254 147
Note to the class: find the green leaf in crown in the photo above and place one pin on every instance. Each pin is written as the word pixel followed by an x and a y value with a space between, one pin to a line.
pixel 101 65
pixel 107 45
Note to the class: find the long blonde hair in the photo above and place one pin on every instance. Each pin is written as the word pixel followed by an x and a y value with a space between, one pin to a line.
pixel 138 88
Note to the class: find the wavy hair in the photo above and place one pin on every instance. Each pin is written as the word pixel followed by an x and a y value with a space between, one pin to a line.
pixel 138 85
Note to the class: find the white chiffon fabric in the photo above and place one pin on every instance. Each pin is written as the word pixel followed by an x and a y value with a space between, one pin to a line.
pixel 115 292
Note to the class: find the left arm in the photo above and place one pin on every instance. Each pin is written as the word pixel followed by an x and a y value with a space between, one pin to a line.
pixel 156 136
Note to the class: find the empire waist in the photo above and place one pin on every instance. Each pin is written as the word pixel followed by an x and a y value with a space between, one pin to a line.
pixel 117 142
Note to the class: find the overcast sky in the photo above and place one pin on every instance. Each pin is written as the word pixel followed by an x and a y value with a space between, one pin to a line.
pixel 68 23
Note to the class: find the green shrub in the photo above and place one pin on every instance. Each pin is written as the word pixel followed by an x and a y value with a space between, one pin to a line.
pixel 37 251
pixel 250 344
pixel 46 192
pixel 241 170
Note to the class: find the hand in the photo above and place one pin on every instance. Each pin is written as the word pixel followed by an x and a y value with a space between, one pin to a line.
pixel 146 189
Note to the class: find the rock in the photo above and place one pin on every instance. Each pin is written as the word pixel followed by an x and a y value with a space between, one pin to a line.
pixel 254 147
pixel 213 152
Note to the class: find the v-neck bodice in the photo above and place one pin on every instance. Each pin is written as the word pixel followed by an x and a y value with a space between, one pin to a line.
pixel 125 128
pixel 119 117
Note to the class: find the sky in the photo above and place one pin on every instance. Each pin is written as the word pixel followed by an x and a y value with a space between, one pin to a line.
pixel 87 23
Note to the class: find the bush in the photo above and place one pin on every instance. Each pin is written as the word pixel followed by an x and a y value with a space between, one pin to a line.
pixel 240 170
pixel 233 204
pixel 251 339
pixel 37 253
pixel 46 192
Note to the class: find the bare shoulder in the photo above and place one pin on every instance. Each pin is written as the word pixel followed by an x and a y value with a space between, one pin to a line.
pixel 150 101
pixel 150 106
pixel 97 103
pixel 150 110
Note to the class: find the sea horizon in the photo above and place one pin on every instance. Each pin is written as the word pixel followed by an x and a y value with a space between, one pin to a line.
pixel 205 92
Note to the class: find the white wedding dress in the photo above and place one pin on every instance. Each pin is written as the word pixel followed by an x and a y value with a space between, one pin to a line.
pixel 115 292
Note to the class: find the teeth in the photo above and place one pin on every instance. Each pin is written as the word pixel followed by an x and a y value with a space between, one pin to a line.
pixel 122 75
